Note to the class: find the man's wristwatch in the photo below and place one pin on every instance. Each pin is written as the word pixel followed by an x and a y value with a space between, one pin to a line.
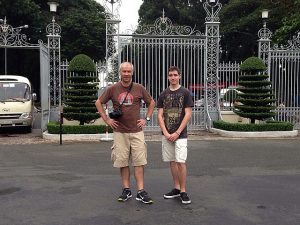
pixel 147 119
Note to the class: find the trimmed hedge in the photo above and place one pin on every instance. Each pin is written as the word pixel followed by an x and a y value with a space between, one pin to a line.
pixel 53 128
pixel 268 126
pixel 82 63
pixel 252 64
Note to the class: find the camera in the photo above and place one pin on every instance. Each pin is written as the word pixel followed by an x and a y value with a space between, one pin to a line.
pixel 115 114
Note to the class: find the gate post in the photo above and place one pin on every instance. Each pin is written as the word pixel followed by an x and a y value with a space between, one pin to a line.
pixel 112 49
pixel 53 30
pixel 264 41
pixel 212 8
pixel 112 56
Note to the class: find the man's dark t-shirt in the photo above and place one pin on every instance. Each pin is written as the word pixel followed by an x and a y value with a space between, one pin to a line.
pixel 174 104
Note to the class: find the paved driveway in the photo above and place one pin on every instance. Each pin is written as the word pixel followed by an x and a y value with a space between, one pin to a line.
pixel 231 182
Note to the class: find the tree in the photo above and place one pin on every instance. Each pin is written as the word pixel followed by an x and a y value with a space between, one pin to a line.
pixel 255 97
pixel 182 12
pixel 291 24
pixel 82 31
pixel 82 24
pixel 83 28
pixel 81 90
pixel 240 21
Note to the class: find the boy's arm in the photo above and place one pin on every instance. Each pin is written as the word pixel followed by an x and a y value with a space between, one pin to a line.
pixel 161 122
pixel 185 121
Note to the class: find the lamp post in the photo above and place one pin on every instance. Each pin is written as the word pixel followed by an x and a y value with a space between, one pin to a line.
pixel 265 36
pixel 265 16
pixel 6 32
pixel 54 30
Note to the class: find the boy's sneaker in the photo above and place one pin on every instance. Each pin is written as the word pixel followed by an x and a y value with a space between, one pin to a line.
pixel 185 199
pixel 143 196
pixel 172 194
pixel 126 194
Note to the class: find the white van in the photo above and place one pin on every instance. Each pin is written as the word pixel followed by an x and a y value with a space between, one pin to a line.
pixel 16 102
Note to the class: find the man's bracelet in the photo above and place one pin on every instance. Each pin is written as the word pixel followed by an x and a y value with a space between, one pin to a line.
pixel 177 133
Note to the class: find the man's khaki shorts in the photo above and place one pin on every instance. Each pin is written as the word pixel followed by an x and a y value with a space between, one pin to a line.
pixel 174 151
pixel 128 146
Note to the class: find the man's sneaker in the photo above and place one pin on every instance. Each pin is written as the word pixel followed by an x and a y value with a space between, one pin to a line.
pixel 185 199
pixel 143 196
pixel 126 194
pixel 172 194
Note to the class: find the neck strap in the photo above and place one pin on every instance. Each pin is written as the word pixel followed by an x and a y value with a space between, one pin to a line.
pixel 129 89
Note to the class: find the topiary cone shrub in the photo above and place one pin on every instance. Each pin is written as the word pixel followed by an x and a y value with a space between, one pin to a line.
pixel 255 97
pixel 81 90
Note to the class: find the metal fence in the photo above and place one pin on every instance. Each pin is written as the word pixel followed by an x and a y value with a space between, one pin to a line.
pixel 153 49
pixel 153 56
pixel 284 68
pixel 229 73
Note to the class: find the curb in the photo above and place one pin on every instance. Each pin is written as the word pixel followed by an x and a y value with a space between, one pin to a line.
pixel 262 134
pixel 78 137
pixel 213 134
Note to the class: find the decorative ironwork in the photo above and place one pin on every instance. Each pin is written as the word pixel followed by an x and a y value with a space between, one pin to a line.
pixel 293 44
pixel 153 48
pixel 264 42
pixel 112 49
pixel 284 70
pixel 164 26
pixel 10 36
pixel 112 40
pixel 212 9
pixel 53 30
pixel 264 34
pixel 112 13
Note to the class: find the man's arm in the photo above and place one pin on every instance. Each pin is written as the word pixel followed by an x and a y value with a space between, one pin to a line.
pixel 101 110
pixel 112 123
pixel 150 108
pixel 142 122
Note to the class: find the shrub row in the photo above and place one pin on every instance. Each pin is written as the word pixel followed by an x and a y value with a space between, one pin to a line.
pixel 268 126
pixel 53 128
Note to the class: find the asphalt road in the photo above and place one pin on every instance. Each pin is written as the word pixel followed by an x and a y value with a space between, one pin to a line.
pixel 231 182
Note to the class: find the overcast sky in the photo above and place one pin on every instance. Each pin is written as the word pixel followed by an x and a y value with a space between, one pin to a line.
pixel 128 13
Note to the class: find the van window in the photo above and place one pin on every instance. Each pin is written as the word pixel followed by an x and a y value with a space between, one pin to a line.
pixel 11 91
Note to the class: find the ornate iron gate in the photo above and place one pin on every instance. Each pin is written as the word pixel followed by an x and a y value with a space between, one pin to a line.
pixel 284 67
pixel 11 37
pixel 45 83
pixel 153 49
pixel 159 47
